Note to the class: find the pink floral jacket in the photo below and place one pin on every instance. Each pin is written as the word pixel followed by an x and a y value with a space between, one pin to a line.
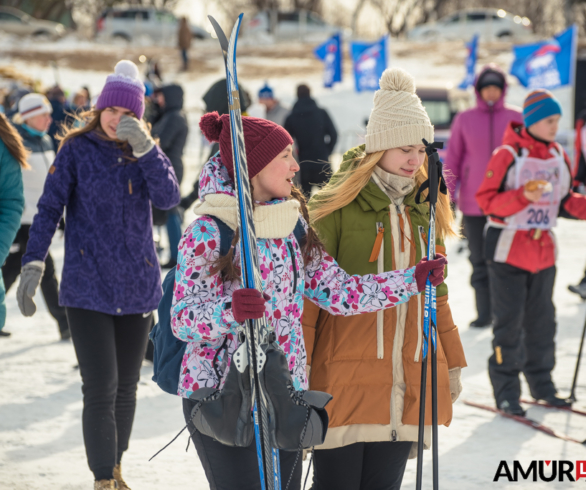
pixel 202 315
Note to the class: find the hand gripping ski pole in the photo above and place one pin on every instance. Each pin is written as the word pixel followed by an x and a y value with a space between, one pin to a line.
pixel 435 181
pixel 256 331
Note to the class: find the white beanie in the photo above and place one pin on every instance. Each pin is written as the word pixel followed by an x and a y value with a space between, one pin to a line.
pixel 398 118
pixel 32 105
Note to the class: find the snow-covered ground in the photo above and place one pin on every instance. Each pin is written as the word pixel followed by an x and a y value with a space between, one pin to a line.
pixel 41 443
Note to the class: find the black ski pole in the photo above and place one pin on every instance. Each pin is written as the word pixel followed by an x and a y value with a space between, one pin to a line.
pixel 435 180
pixel 575 380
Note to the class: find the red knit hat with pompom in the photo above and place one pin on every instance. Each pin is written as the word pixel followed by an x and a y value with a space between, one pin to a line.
pixel 263 140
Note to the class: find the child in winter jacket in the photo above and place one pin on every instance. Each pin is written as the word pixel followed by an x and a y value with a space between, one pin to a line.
pixel 106 175
pixel 526 187
pixel 12 159
pixel 209 304
pixel 370 222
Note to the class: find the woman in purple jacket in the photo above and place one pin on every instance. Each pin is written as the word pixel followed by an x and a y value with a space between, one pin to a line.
pixel 106 174
pixel 475 134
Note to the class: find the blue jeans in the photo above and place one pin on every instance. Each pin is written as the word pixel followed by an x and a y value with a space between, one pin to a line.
pixel 184 58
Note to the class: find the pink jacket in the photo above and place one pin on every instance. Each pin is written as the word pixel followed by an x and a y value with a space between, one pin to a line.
pixel 475 134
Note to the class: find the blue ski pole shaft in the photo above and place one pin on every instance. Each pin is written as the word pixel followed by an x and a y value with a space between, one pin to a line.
pixel 429 329
pixel 420 438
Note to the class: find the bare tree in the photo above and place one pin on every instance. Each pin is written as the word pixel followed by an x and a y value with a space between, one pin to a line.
pixel 399 15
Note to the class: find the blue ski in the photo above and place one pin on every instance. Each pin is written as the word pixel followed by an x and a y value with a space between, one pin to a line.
pixel 257 331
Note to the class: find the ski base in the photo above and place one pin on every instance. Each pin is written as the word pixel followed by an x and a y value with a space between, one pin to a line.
pixel 526 421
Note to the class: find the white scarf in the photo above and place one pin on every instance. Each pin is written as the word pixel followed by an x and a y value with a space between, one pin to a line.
pixel 271 221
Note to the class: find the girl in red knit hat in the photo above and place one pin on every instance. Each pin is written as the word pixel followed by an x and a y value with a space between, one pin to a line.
pixel 209 303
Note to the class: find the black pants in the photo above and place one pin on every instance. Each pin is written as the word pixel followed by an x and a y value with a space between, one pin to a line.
pixel 110 350
pixel 49 284
pixel 524 331
pixel 236 468
pixel 474 231
pixel 361 466
pixel 314 174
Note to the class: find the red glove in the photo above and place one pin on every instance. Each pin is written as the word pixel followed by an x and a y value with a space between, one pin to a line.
pixel 433 268
pixel 248 304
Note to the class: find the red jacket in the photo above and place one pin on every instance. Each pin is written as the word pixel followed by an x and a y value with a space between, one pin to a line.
pixel 530 250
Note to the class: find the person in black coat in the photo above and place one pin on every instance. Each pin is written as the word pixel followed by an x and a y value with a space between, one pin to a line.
pixel 315 135
pixel 171 128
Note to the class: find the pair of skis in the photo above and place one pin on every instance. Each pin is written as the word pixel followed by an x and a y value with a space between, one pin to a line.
pixel 256 332
pixel 534 424
pixel 434 184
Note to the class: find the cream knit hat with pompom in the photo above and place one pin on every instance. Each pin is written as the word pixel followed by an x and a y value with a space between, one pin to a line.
pixel 398 118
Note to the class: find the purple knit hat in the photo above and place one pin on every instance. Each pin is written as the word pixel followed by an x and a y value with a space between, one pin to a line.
pixel 123 89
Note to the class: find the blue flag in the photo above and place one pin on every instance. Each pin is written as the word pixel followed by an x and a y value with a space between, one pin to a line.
pixel 472 48
pixel 547 64
pixel 330 53
pixel 370 60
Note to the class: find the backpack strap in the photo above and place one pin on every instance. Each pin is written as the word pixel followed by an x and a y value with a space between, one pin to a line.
pixel 226 235
pixel 299 232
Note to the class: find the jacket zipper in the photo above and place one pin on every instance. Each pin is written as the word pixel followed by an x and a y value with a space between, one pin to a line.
pixel 292 252
pixel 419 329
pixel 491 125
pixel 130 186
pixel 380 315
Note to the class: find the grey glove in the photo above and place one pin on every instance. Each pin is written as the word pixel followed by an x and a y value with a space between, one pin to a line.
pixel 455 383
pixel 30 278
pixel 132 130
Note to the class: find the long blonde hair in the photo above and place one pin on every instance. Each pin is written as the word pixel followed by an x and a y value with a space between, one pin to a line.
pixel 346 184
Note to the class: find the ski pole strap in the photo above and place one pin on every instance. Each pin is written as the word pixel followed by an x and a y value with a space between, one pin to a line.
pixel 435 174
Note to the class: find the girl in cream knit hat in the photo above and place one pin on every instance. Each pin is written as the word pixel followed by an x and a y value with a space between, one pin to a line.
pixel 369 222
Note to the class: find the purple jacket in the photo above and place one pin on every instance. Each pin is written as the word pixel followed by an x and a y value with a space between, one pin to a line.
pixel 110 260
pixel 475 133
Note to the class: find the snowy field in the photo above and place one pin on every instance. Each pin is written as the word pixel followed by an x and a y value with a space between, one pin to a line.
pixel 41 443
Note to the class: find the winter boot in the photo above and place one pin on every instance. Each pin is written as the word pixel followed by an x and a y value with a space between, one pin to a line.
pixel 483 308
pixel 512 407
pixel 556 401
pixel 105 485
pixel 580 289
pixel 122 485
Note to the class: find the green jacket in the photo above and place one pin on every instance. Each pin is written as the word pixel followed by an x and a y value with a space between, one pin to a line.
pixel 11 200
pixel 376 357
pixel 351 245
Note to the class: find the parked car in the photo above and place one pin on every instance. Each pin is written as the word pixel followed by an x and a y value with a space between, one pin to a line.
pixel 299 24
pixel 490 24
pixel 14 21
pixel 130 24
pixel 442 105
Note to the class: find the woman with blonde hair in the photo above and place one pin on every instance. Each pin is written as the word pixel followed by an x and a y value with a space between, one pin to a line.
pixel 370 222
pixel 13 157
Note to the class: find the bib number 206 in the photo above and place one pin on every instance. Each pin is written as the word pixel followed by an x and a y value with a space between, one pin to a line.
pixel 538 217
